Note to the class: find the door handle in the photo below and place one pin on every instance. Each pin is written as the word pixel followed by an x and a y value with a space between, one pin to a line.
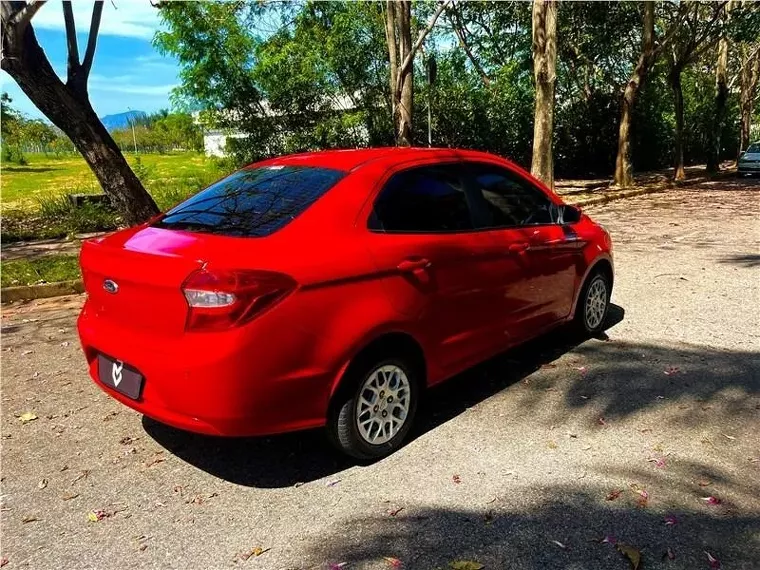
pixel 412 265
pixel 519 247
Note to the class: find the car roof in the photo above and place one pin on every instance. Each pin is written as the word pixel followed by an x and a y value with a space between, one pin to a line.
pixel 351 159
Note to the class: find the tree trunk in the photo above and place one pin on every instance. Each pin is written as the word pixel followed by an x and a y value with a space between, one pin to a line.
pixel 750 74
pixel 721 98
pixel 675 84
pixel 405 97
pixel 68 107
pixel 544 70
pixel 623 167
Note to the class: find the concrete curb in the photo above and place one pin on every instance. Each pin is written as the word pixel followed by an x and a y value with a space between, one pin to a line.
pixel 29 292
pixel 605 198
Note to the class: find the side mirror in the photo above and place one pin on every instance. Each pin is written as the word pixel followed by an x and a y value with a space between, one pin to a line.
pixel 570 215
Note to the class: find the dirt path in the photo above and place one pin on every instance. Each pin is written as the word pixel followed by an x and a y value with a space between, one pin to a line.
pixel 527 462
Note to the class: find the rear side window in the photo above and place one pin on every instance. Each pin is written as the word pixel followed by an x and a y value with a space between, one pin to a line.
pixel 423 200
pixel 252 202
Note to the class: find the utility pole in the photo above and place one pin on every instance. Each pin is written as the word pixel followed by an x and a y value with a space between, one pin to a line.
pixel 432 69
pixel 132 124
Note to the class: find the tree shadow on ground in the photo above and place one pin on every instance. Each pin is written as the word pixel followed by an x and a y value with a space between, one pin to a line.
pixel 524 538
pixel 620 379
pixel 748 260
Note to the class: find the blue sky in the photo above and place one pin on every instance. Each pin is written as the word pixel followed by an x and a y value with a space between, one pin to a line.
pixel 127 71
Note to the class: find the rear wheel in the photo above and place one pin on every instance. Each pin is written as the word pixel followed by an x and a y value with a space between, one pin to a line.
pixel 593 304
pixel 372 415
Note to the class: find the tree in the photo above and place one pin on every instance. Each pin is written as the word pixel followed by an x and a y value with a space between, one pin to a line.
pixel 67 104
pixel 401 53
pixel 647 58
pixel 750 74
pixel 721 96
pixel 700 30
pixel 544 34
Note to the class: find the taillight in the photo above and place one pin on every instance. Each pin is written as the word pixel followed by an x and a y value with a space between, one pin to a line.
pixel 223 299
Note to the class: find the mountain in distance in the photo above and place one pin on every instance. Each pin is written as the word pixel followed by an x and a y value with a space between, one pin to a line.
pixel 121 120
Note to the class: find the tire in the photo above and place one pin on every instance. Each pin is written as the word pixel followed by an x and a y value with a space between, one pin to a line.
pixel 590 316
pixel 366 379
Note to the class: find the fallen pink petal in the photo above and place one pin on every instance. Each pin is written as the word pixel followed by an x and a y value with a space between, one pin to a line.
pixel 393 562
pixel 609 539
pixel 670 370
pixel 712 500
pixel 562 546
pixel 671 520
pixel 714 562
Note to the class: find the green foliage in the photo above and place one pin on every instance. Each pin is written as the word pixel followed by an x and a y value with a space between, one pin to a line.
pixel 160 132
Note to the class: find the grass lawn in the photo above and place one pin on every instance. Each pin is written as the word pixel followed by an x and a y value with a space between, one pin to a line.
pixel 22 186
pixel 48 269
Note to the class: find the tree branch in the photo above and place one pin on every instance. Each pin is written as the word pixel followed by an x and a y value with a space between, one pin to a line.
pixel 24 16
pixel 460 30
pixel 416 46
pixel 71 41
pixel 92 38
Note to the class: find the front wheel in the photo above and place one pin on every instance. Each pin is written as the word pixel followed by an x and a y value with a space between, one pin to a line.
pixel 593 304
pixel 373 414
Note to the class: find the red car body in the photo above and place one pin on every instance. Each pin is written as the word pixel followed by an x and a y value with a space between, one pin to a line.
pixel 460 297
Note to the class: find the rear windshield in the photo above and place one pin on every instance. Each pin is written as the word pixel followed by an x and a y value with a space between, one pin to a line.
pixel 253 201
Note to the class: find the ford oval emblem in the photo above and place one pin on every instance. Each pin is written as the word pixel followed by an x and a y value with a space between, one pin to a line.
pixel 111 286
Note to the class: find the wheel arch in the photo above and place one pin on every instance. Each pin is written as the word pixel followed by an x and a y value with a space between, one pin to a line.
pixel 393 343
pixel 602 264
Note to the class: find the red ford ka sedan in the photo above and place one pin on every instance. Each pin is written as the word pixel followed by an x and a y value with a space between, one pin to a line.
pixel 332 288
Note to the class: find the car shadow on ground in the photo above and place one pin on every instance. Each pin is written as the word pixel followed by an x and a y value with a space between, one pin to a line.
pixel 612 380
pixel 289 459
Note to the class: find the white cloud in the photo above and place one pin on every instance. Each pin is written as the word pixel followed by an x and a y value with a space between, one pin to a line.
pixel 130 18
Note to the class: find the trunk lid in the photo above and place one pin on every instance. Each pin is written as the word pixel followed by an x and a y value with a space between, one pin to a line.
pixel 134 278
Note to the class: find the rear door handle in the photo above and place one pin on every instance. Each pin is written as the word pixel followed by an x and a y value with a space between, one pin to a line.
pixel 412 265
pixel 519 247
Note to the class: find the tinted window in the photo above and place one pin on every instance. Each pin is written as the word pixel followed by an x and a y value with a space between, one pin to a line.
pixel 424 200
pixel 252 201
pixel 510 200
pixel 753 149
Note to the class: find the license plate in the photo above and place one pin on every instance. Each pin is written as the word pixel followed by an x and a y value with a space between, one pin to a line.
pixel 120 376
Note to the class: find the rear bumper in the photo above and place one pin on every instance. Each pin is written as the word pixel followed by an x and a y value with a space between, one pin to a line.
pixel 216 384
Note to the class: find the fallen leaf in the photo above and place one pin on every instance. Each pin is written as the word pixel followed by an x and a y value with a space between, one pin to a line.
pixel 671 370
pixel 69 496
pixel 669 554
pixel 337 566
pixel 562 546
pixel 614 494
pixel 552 445
pixel 30 518
pixel 631 553
pixel 257 551
pixel 394 512
pixel 393 562
pixel 27 417
pixel 671 520
pixel 581 369
pixel 601 422
pixel 65 343
pixel 456 478
pixel 97 515
pixel 714 562
pixel 466 565
pixel 643 499
pixel 82 475
pixel 127 440
pixel 659 462
pixel 609 539
pixel 155 461
pixel 332 484
pixel 704 482
pixel 728 436
pixel 26 352
pixel 42 484
pixel 712 500
pixel 3 561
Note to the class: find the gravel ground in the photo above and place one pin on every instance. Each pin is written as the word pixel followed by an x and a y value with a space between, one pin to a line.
pixel 528 461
